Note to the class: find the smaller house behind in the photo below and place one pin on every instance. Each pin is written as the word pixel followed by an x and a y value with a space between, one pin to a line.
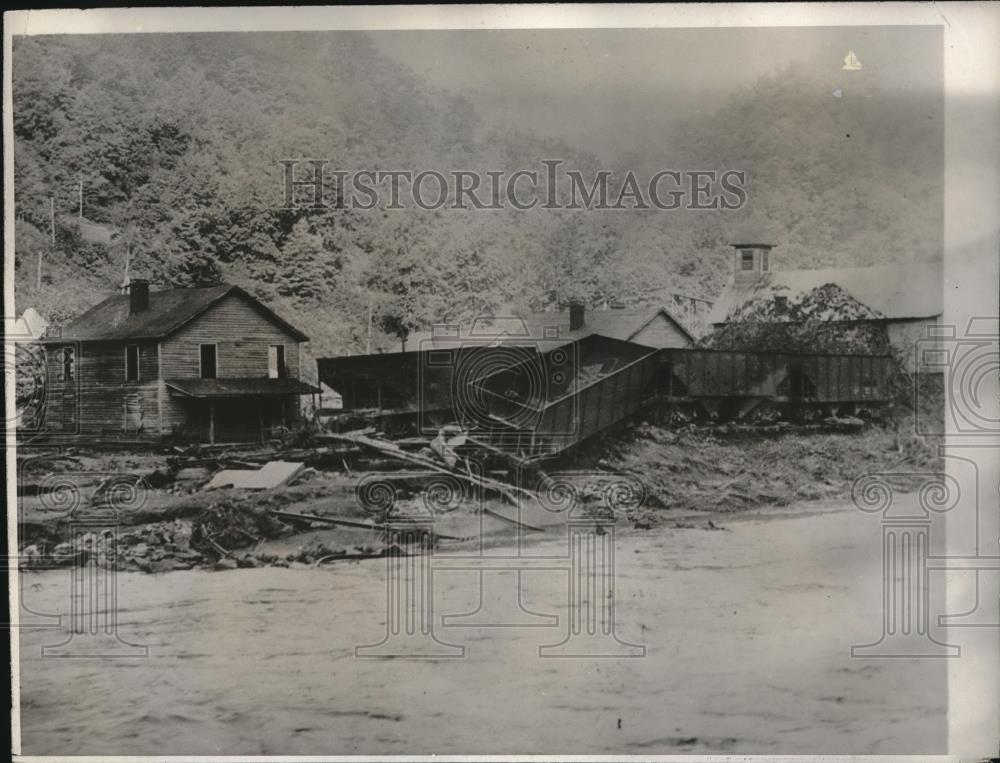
pixel 652 327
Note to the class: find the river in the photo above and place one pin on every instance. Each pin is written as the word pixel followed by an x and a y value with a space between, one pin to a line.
pixel 747 633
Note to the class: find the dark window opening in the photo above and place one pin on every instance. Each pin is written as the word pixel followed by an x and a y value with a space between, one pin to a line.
pixel 746 260
pixel 208 369
pixel 276 362
pixel 68 365
pixel 765 261
pixel 132 362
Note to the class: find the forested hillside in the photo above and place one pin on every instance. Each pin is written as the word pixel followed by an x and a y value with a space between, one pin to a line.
pixel 176 141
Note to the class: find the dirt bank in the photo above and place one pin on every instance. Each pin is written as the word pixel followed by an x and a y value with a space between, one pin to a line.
pixel 696 471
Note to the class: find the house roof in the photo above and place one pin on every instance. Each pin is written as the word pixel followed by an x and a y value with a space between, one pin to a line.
pixel 167 312
pixel 615 324
pixel 752 233
pixel 894 291
pixel 239 387
pixel 29 326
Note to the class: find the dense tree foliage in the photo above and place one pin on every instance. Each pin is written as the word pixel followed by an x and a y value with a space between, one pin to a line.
pixel 176 141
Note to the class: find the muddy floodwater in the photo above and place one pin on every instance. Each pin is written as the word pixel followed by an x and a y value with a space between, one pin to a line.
pixel 747 633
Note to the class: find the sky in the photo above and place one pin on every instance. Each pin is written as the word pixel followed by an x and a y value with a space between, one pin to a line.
pixel 612 91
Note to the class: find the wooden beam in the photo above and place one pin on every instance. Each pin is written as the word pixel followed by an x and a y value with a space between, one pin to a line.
pixel 211 422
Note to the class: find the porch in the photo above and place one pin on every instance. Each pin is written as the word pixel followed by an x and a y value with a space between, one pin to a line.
pixel 236 410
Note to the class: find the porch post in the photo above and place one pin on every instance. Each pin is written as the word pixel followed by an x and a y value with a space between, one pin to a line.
pixel 211 422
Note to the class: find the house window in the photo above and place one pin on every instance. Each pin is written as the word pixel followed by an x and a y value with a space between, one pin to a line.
pixel 746 259
pixel 131 362
pixel 276 361
pixel 208 364
pixel 68 362
pixel 765 261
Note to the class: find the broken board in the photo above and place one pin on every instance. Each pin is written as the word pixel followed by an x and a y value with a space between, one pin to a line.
pixel 271 475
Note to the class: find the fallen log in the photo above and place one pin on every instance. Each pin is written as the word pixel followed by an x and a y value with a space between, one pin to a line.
pixel 328 520
pixel 347 523
pixel 391 449
pixel 511 520
pixel 522 465
pixel 217 547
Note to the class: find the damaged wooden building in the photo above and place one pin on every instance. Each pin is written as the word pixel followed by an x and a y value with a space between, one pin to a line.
pixel 437 362
pixel 529 388
pixel 208 364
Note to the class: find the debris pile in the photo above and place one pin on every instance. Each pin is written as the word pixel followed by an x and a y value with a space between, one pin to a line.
pixel 826 320
pixel 159 547
pixel 692 471
pixel 217 540
pixel 230 525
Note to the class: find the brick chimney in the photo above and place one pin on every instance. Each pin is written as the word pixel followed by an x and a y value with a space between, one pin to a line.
pixel 577 315
pixel 138 295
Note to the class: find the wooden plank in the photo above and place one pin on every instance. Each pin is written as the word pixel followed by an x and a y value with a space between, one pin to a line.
pixel 391 449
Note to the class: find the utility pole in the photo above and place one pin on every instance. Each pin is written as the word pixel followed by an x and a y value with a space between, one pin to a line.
pixel 52 241
pixel 128 263
pixel 369 324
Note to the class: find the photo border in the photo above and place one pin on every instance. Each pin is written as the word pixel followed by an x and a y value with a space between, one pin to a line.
pixel 971 249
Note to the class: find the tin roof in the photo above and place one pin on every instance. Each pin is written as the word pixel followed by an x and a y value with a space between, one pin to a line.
pixel 893 291
pixel 616 324
pixel 167 312
pixel 239 387
pixel 752 233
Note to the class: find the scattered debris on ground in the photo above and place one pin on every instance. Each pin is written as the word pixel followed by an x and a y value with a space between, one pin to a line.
pixel 227 506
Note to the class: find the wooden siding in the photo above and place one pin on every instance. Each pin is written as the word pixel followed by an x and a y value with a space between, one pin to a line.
pixel 242 335
pixel 96 398
pixel 814 378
